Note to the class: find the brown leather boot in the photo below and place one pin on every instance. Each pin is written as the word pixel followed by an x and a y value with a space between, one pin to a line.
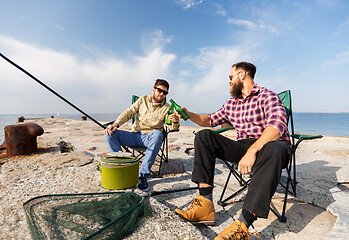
pixel 236 231
pixel 200 210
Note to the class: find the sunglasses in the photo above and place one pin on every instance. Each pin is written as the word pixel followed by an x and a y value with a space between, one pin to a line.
pixel 161 91
pixel 231 76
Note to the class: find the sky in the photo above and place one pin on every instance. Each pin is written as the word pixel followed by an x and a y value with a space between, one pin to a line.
pixel 98 53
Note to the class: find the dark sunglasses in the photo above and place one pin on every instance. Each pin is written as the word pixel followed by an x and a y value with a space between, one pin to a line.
pixel 231 76
pixel 161 91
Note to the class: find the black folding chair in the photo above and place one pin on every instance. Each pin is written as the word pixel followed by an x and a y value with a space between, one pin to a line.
pixel 291 168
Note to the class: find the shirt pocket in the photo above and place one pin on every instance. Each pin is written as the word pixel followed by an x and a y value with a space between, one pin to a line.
pixel 143 114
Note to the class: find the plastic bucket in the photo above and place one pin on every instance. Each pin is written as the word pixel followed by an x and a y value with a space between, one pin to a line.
pixel 119 175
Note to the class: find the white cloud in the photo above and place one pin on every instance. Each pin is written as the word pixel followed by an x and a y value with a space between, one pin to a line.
pixel 184 73
pixel 269 28
pixel 240 22
pixel 219 9
pixel 333 4
pixel 106 82
pixel 252 25
pixel 215 62
pixel 339 59
pixel 102 84
pixel 343 28
pixel 59 27
pixel 155 39
pixel 221 12
pixel 188 3
pixel 207 91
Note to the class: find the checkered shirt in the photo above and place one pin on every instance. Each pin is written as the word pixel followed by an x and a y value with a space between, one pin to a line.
pixel 251 116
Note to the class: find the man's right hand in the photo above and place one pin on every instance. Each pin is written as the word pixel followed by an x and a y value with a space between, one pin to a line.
pixel 200 119
pixel 111 128
pixel 185 109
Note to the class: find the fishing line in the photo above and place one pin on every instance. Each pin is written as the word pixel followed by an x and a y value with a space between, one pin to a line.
pixel 51 90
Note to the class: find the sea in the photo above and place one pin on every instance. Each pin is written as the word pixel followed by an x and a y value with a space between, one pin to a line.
pixel 333 124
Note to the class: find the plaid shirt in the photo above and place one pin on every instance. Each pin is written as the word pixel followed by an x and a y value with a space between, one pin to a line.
pixel 251 116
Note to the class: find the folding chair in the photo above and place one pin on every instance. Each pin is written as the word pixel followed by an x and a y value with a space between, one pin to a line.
pixel 139 152
pixel 296 140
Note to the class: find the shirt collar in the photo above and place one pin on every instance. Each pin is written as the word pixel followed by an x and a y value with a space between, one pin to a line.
pixel 255 90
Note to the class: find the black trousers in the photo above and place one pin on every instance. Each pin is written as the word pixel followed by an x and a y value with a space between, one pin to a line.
pixel 271 159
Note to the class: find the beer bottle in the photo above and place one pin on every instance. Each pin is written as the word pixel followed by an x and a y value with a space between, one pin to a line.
pixel 172 110
pixel 180 110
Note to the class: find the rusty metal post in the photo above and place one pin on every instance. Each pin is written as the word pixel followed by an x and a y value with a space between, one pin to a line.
pixel 20 139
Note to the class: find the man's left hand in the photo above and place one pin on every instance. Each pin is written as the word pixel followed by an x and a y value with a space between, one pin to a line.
pixel 247 161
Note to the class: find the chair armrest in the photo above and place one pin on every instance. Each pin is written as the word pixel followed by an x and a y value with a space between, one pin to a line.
pixel 106 125
pixel 175 130
pixel 306 137
pixel 302 137
pixel 220 130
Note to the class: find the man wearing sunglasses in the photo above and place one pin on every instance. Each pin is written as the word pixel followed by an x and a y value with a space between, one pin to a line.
pixel 263 141
pixel 151 112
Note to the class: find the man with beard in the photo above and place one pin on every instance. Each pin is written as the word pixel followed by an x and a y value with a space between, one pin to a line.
pixel 146 130
pixel 263 142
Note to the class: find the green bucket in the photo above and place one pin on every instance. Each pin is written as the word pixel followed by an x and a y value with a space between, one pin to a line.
pixel 119 173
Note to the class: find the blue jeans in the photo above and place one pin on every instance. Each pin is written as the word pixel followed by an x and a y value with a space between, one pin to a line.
pixel 151 141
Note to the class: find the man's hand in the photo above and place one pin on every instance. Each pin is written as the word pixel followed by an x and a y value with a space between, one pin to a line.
pixel 202 120
pixel 174 117
pixel 269 134
pixel 111 128
pixel 247 161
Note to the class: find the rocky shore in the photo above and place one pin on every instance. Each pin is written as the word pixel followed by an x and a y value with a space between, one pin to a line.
pixel 320 210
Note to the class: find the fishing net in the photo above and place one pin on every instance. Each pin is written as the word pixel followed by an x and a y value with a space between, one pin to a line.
pixel 85 216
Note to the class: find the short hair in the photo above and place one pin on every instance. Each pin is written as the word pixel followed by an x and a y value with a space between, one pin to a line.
pixel 162 82
pixel 248 67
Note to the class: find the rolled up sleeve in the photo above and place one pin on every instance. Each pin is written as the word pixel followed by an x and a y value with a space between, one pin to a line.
pixel 219 117
pixel 275 114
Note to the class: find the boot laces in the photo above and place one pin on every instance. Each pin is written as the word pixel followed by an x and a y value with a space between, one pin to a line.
pixel 194 204
pixel 239 234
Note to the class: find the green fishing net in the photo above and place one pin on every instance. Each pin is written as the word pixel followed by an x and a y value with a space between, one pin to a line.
pixel 85 216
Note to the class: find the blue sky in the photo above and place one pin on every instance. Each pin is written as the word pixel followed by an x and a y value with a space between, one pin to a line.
pixel 98 53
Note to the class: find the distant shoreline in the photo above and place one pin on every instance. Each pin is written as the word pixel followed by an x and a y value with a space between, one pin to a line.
pixel 57 115
pixel 325 123
pixel 321 112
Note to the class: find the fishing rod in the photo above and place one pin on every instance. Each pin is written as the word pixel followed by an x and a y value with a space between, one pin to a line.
pixel 154 193
pixel 51 90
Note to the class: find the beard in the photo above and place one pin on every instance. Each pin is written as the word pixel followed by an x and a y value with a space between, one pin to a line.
pixel 235 90
pixel 158 99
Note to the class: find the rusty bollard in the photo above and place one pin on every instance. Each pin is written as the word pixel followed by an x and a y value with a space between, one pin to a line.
pixel 20 139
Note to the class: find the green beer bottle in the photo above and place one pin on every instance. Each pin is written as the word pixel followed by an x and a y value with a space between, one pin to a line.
pixel 172 110
pixel 180 110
